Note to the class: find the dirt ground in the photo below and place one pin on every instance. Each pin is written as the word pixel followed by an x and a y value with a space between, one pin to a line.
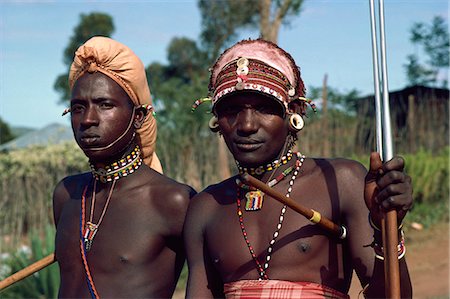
pixel 428 262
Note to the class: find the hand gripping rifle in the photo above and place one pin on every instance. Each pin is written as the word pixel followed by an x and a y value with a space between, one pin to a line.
pixel 384 147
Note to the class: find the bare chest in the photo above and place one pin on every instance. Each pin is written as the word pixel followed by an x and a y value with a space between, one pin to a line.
pixel 125 237
pixel 275 239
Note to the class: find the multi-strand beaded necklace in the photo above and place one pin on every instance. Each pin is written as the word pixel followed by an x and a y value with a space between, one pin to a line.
pixel 118 169
pixel 262 269
pixel 88 230
pixel 254 197
pixel 263 168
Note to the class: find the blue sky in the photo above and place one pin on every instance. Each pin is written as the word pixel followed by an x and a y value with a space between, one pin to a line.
pixel 328 37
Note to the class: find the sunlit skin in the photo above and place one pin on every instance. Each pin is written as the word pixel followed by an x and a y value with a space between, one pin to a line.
pixel 138 250
pixel 255 132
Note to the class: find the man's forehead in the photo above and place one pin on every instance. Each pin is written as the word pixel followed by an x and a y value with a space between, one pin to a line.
pixel 98 86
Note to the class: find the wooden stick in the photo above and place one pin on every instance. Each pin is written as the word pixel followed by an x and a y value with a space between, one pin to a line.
pixel 312 215
pixel 389 229
pixel 27 271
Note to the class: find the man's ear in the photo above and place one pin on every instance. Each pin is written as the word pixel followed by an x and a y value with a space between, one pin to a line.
pixel 140 113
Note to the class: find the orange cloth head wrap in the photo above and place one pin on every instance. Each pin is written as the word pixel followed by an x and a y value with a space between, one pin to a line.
pixel 119 63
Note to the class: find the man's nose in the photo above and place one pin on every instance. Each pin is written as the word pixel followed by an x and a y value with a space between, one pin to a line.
pixel 246 121
pixel 90 116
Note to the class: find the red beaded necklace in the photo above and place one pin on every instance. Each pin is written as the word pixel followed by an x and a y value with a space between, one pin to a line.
pixel 262 269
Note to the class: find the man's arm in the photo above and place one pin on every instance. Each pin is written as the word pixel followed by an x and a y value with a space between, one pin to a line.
pixel 203 280
pixel 387 187
pixel 361 236
pixel 60 196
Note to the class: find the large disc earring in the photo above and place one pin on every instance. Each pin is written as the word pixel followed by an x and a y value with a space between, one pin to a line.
pixel 214 124
pixel 296 122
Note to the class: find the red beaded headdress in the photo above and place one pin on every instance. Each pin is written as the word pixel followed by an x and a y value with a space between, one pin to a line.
pixel 260 66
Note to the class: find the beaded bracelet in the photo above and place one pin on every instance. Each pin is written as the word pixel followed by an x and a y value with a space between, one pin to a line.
pixel 401 249
pixel 379 254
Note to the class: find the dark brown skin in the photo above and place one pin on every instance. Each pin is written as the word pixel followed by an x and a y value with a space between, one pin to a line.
pixel 138 250
pixel 216 250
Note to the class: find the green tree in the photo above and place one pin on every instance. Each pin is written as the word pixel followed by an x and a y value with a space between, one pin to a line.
pixel 178 84
pixel 5 132
pixel 222 20
pixel 433 40
pixel 345 102
pixel 90 25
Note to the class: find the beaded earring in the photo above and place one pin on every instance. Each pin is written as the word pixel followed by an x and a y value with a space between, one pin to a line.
pixel 147 108
pixel 67 110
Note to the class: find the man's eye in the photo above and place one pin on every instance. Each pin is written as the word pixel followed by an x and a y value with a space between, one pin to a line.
pixel 76 108
pixel 106 105
pixel 265 109
pixel 228 111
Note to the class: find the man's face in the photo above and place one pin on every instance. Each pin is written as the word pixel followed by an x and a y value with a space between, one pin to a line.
pixel 253 127
pixel 101 111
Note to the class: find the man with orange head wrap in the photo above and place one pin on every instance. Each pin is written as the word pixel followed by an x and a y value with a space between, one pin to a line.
pixel 118 226
pixel 241 243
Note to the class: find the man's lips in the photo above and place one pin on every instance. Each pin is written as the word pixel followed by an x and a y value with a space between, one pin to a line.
pixel 89 139
pixel 248 146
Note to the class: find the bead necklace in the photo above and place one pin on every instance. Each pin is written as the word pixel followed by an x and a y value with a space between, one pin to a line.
pixel 255 197
pixel 89 279
pixel 262 269
pixel 119 169
pixel 271 166
pixel 90 228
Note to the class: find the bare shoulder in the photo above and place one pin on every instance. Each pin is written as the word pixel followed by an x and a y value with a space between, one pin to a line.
pixel 67 188
pixel 343 169
pixel 213 198
pixel 167 199
pixel 345 176
pixel 217 194
pixel 175 194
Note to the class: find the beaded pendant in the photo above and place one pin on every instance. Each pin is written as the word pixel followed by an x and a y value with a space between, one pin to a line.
pixel 89 233
pixel 254 200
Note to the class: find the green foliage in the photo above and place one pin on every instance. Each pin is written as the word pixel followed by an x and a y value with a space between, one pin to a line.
pixel 43 284
pixel 223 20
pixel 434 40
pixel 27 179
pixel 428 214
pixel 430 174
pixel 90 25
pixel 430 180
pixel 337 100
pixel 5 132
pixel 417 73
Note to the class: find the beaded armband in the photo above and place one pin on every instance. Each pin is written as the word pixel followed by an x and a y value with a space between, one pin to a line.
pixel 401 249
pixel 378 248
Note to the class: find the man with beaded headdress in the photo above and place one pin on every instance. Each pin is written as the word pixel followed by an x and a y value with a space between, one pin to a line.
pixel 243 244
pixel 119 227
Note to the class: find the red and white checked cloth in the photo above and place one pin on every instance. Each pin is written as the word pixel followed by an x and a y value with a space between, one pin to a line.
pixel 279 289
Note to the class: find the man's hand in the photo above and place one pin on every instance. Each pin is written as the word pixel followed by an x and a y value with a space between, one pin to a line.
pixel 387 187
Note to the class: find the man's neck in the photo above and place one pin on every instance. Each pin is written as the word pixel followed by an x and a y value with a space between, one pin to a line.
pixel 126 164
pixel 268 170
